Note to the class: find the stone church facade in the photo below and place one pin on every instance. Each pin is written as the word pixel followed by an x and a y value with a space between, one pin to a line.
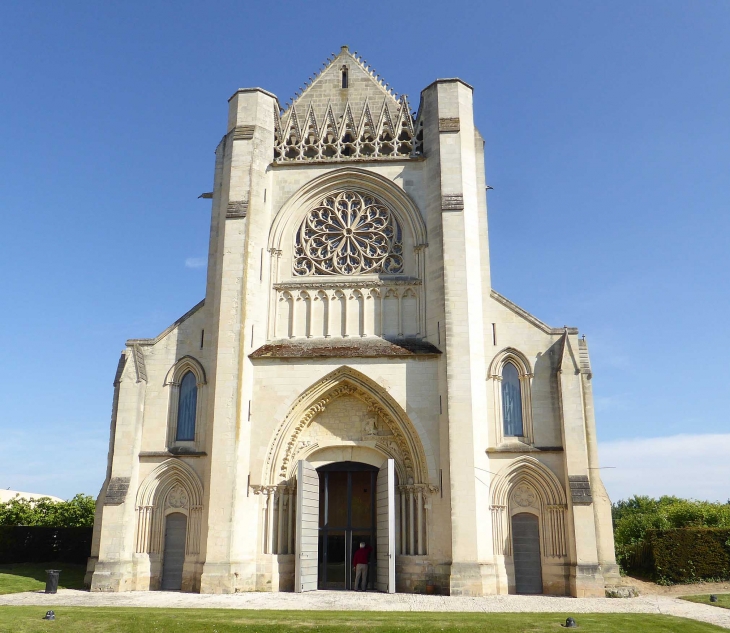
pixel 351 375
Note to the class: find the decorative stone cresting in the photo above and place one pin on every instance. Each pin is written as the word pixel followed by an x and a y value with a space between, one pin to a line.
pixel 348 233
pixel 372 136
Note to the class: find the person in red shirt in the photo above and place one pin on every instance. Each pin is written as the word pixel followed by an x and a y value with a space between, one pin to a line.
pixel 360 562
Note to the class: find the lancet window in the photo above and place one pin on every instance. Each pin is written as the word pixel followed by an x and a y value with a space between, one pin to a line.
pixel 348 233
pixel 512 378
pixel 187 407
pixel 511 401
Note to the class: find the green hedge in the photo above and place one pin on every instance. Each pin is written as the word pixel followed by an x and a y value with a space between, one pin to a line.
pixel 690 554
pixel 34 544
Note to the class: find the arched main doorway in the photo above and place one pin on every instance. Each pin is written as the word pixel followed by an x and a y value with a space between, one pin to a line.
pixel 347 518
pixel 330 517
pixel 345 416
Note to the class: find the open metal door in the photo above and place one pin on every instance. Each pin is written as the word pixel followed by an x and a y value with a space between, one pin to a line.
pixel 305 562
pixel 385 508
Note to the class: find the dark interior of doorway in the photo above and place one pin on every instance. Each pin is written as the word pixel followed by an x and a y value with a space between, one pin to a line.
pixel 346 518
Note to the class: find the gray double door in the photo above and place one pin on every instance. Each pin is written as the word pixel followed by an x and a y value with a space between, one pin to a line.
pixel 526 552
pixel 320 537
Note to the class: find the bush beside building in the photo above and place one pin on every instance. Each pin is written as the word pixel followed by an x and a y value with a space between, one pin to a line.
pixel 673 540
pixel 44 530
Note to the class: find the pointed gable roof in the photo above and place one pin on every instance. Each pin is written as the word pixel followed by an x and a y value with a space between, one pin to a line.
pixel 348 112
pixel 363 83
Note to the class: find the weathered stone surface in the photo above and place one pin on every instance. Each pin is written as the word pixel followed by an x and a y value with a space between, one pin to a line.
pixel 452 202
pixel 449 124
pixel 621 591
pixel 116 491
pixel 580 489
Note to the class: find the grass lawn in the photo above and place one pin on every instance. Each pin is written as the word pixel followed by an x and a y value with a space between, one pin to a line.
pixel 723 600
pixel 118 620
pixel 32 576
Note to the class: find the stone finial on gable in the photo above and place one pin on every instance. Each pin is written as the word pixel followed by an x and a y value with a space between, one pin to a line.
pixel 567 360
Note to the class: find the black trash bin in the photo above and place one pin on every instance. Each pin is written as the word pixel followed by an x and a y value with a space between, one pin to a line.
pixel 52 580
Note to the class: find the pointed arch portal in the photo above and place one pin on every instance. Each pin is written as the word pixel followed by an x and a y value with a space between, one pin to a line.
pixel 527 485
pixel 171 488
pixel 388 441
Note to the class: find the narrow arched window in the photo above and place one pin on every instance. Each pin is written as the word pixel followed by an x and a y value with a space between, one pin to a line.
pixel 511 401
pixel 187 405
pixel 344 77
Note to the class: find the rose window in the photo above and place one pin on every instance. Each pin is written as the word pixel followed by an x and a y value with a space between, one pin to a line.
pixel 177 498
pixel 524 496
pixel 348 233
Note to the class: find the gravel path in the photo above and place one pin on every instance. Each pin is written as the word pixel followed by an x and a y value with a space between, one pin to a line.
pixel 351 601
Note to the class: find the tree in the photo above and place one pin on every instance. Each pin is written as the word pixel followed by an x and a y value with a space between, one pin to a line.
pixel 76 512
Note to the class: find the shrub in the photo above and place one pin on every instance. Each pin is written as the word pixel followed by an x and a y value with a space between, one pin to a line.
pixel 34 544
pixel 690 554
pixel 639 521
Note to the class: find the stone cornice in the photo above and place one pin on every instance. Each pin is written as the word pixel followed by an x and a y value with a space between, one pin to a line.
pixel 450 80
pixel 363 160
pixel 166 454
pixel 523 448
pixel 153 341
pixel 368 347
pixel 322 282
pixel 266 92
pixel 529 317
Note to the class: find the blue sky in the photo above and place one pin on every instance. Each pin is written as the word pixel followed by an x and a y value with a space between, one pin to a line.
pixel 608 147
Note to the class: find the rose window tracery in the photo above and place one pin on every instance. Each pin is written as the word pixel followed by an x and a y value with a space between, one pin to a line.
pixel 349 233
pixel 524 496
pixel 177 498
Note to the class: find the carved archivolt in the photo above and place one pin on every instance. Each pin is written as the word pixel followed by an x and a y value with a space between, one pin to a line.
pixel 171 487
pixel 528 485
pixel 395 436
pixel 181 367
pixel 348 233
pixel 509 355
